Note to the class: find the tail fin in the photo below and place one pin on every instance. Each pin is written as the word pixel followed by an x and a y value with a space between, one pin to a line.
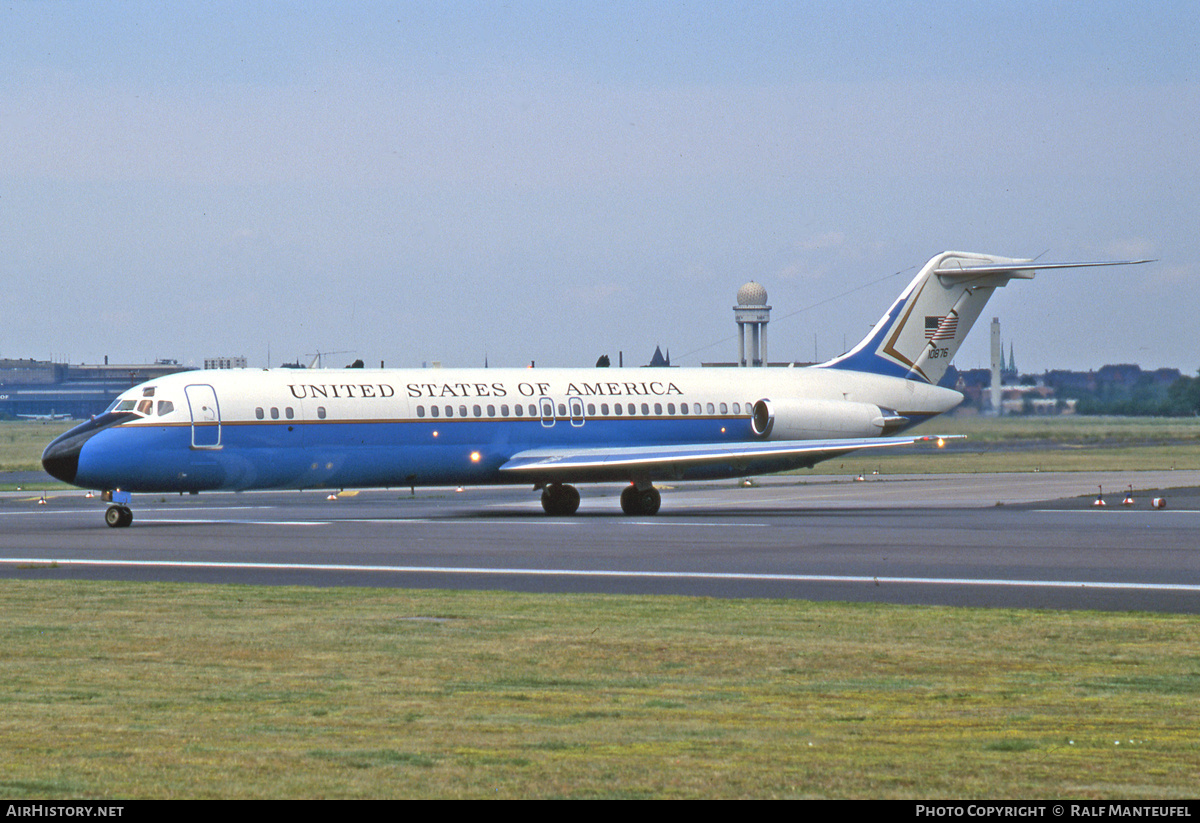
pixel 921 332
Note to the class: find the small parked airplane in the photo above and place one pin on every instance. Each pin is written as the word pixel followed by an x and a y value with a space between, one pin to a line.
pixel 50 416
pixel 354 428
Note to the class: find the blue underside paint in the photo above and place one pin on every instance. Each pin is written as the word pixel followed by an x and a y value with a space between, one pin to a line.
pixel 867 359
pixel 360 454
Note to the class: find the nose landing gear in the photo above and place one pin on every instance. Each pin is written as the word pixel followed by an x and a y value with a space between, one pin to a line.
pixel 118 515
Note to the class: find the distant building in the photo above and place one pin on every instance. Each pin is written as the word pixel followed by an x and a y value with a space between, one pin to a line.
pixel 225 363
pixel 41 387
pixel 752 310
pixel 658 360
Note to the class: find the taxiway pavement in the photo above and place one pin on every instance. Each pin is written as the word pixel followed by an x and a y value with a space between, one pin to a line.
pixel 1013 540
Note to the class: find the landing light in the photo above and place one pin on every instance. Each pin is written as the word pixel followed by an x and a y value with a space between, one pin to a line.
pixel 941 443
pixel 475 457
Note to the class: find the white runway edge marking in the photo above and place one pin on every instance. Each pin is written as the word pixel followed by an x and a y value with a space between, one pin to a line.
pixel 786 578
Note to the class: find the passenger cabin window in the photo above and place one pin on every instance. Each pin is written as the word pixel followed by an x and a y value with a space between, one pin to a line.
pixel 724 409
pixel 289 413
pixel 433 411
pixel 420 411
pixel 321 412
pixel 259 413
pixel 274 413
pixel 504 410
pixel 645 408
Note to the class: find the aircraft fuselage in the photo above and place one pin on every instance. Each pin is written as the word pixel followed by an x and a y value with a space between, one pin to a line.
pixel 324 428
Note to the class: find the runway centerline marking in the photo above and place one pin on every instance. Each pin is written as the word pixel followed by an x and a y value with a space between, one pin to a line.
pixel 223 521
pixel 613 573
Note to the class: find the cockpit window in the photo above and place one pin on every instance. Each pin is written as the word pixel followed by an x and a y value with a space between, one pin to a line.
pixel 165 407
pixel 125 405
pixel 146 407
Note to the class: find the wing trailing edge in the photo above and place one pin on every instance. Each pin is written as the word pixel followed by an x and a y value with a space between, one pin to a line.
pixel 688 461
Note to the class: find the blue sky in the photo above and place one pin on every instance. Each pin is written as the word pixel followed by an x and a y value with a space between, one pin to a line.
pixel 415 182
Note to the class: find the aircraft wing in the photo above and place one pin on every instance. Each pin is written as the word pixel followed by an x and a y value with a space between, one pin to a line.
pixel 688 461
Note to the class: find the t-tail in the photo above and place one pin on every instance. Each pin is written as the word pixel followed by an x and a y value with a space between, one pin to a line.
pixel 920 334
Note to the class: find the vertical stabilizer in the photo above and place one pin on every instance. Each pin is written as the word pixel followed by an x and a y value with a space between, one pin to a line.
pixel 922 331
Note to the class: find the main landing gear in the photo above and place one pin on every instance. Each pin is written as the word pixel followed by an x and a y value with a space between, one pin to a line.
pixel 636 500
pixel 560 499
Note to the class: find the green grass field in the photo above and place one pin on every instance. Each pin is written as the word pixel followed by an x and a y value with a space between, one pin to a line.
pixel 122 690
pixel 22 442
pixel 1021 444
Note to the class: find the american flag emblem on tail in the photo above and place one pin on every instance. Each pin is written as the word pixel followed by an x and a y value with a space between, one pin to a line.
pixel 941 328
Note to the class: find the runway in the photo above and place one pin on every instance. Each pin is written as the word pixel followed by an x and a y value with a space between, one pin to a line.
pixel 1024 541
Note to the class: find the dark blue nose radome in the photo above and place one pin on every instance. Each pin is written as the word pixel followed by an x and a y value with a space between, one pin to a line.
pixel 61 457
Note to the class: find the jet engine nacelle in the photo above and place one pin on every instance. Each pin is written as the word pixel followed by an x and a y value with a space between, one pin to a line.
pixel 812 419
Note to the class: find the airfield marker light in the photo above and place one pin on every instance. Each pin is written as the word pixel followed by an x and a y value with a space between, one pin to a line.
pixel 1128 501
pixel 42 501
pixel 1100 499
pixel 89 495
pixel 1159 503
pixel 332 496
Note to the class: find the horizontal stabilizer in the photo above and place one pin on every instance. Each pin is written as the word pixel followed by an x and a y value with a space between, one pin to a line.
pixel 951 271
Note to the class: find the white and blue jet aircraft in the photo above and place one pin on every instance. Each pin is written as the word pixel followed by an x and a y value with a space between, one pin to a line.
pixel 360 428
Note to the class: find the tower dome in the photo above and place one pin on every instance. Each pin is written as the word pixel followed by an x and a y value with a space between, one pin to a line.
pixel 752 294
pixel 752 310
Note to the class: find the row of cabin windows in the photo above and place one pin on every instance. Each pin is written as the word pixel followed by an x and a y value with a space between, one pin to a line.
pixel 618 409
pixel 518 410
pixel 288 412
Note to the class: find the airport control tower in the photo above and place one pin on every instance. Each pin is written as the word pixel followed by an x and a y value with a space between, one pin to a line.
pixel 752 310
